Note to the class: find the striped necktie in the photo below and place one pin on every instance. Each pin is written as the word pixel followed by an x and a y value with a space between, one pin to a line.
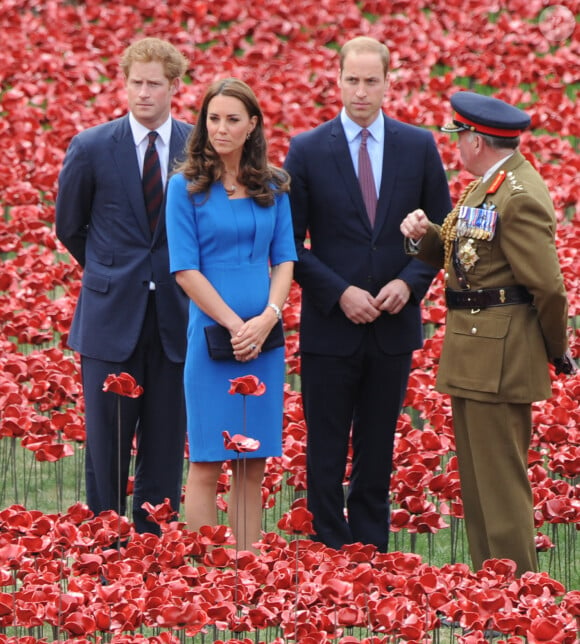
pixel 152 181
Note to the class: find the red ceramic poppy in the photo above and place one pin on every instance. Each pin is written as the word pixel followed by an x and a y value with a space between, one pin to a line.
pixel 123 384
pixel 298 520
pixel 161 513
pixel 247 386
pixel 239 443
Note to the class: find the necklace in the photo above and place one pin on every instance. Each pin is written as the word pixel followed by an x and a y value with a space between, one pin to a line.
pixel 233 187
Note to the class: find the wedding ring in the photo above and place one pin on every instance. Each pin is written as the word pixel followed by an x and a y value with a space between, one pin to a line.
pixel 253 347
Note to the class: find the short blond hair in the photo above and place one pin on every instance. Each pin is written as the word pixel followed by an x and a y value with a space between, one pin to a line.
pixel 150 50
pixel 366 44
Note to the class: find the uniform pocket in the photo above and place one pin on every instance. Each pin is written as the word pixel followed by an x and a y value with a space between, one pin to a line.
pixel 474 351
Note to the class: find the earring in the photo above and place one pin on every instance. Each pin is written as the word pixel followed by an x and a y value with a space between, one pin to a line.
pixel 248 136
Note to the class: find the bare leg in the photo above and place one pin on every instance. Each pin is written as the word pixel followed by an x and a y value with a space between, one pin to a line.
pixel 200 494
pixel 245 501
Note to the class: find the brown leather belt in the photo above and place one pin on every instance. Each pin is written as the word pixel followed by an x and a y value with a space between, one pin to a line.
pixel 485 297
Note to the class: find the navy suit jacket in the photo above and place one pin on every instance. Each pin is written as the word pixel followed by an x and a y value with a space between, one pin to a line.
pixel 327 203
pixel 101 219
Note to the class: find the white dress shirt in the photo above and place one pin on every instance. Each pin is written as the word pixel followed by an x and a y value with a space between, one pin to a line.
pixel 141 140
pixel 375 143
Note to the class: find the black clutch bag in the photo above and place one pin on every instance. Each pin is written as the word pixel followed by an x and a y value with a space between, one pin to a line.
pixel 219 343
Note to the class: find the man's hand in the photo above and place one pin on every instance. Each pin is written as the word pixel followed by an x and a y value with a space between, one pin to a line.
pixel 565 364
pixel 393 296
pixel 359 305
pixel 415 225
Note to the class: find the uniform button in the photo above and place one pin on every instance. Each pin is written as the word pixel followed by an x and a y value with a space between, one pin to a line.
pixel 473 330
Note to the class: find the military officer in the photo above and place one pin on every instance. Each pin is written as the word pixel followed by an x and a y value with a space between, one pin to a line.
pixel 506 320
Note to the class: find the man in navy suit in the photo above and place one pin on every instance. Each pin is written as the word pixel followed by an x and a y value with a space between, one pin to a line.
pixel 131 316
pixel 361 294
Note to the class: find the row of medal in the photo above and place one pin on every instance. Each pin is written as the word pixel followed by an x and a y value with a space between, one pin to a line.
pixel 477 223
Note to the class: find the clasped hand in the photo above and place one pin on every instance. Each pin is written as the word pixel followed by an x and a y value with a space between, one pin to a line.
pixel 249 337
pixel 361 307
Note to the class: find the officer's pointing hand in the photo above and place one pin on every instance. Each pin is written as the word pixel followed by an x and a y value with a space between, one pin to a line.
pixel 415 225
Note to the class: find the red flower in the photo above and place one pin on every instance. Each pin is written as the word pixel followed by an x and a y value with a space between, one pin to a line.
pixel 247 386
pixel 298 520
pixel 162 513
pixel 240 443
pixel 544 630
pixel 123 384
pixel 216 535
pixel 52 453
pixel 79 623
pixel 543 542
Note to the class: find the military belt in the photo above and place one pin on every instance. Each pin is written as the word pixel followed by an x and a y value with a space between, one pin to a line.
pixel 485 297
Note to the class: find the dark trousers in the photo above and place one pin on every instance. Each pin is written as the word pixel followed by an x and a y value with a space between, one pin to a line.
pixel 364 393
pixel 156 421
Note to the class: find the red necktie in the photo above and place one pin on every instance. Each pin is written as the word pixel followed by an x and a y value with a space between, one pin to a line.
pixel 365 177
pixel 152 181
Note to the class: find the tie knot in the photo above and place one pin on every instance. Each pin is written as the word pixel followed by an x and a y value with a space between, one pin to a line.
pixel 364 136
pixel 152 136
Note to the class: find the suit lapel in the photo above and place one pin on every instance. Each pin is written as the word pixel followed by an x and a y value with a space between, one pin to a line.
pixel 341 153
pixel 128 169
pixel 389 173
pixel 339 146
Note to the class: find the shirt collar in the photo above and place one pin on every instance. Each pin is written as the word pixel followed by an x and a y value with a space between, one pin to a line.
pixel 494 168
pixel 352 129
pixel 140 132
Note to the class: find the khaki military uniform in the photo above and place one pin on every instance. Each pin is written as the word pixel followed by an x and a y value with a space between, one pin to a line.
pixel 494 360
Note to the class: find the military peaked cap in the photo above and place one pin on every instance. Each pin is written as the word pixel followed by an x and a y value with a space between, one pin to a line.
pixel 486 115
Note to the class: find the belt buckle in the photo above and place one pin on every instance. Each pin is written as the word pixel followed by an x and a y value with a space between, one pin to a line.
pixel 475 311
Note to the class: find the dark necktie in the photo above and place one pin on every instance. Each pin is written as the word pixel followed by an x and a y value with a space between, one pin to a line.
pixel 152 181
pixel 365 177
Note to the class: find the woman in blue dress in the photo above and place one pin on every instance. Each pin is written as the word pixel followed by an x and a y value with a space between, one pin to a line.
pixel 232 251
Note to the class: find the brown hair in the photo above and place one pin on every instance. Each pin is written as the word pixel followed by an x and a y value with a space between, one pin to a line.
pixel 366 44
pixel 203 166
pixel 150 50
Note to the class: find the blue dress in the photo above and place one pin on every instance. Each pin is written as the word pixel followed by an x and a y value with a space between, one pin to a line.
pixel 232 242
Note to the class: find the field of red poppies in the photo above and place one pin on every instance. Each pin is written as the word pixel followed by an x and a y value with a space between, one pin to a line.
pixel 59 577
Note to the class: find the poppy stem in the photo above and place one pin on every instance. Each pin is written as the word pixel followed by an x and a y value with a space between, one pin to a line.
pixel 243 486
pixel 236 529
pixel 297 584
pixel 118 472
